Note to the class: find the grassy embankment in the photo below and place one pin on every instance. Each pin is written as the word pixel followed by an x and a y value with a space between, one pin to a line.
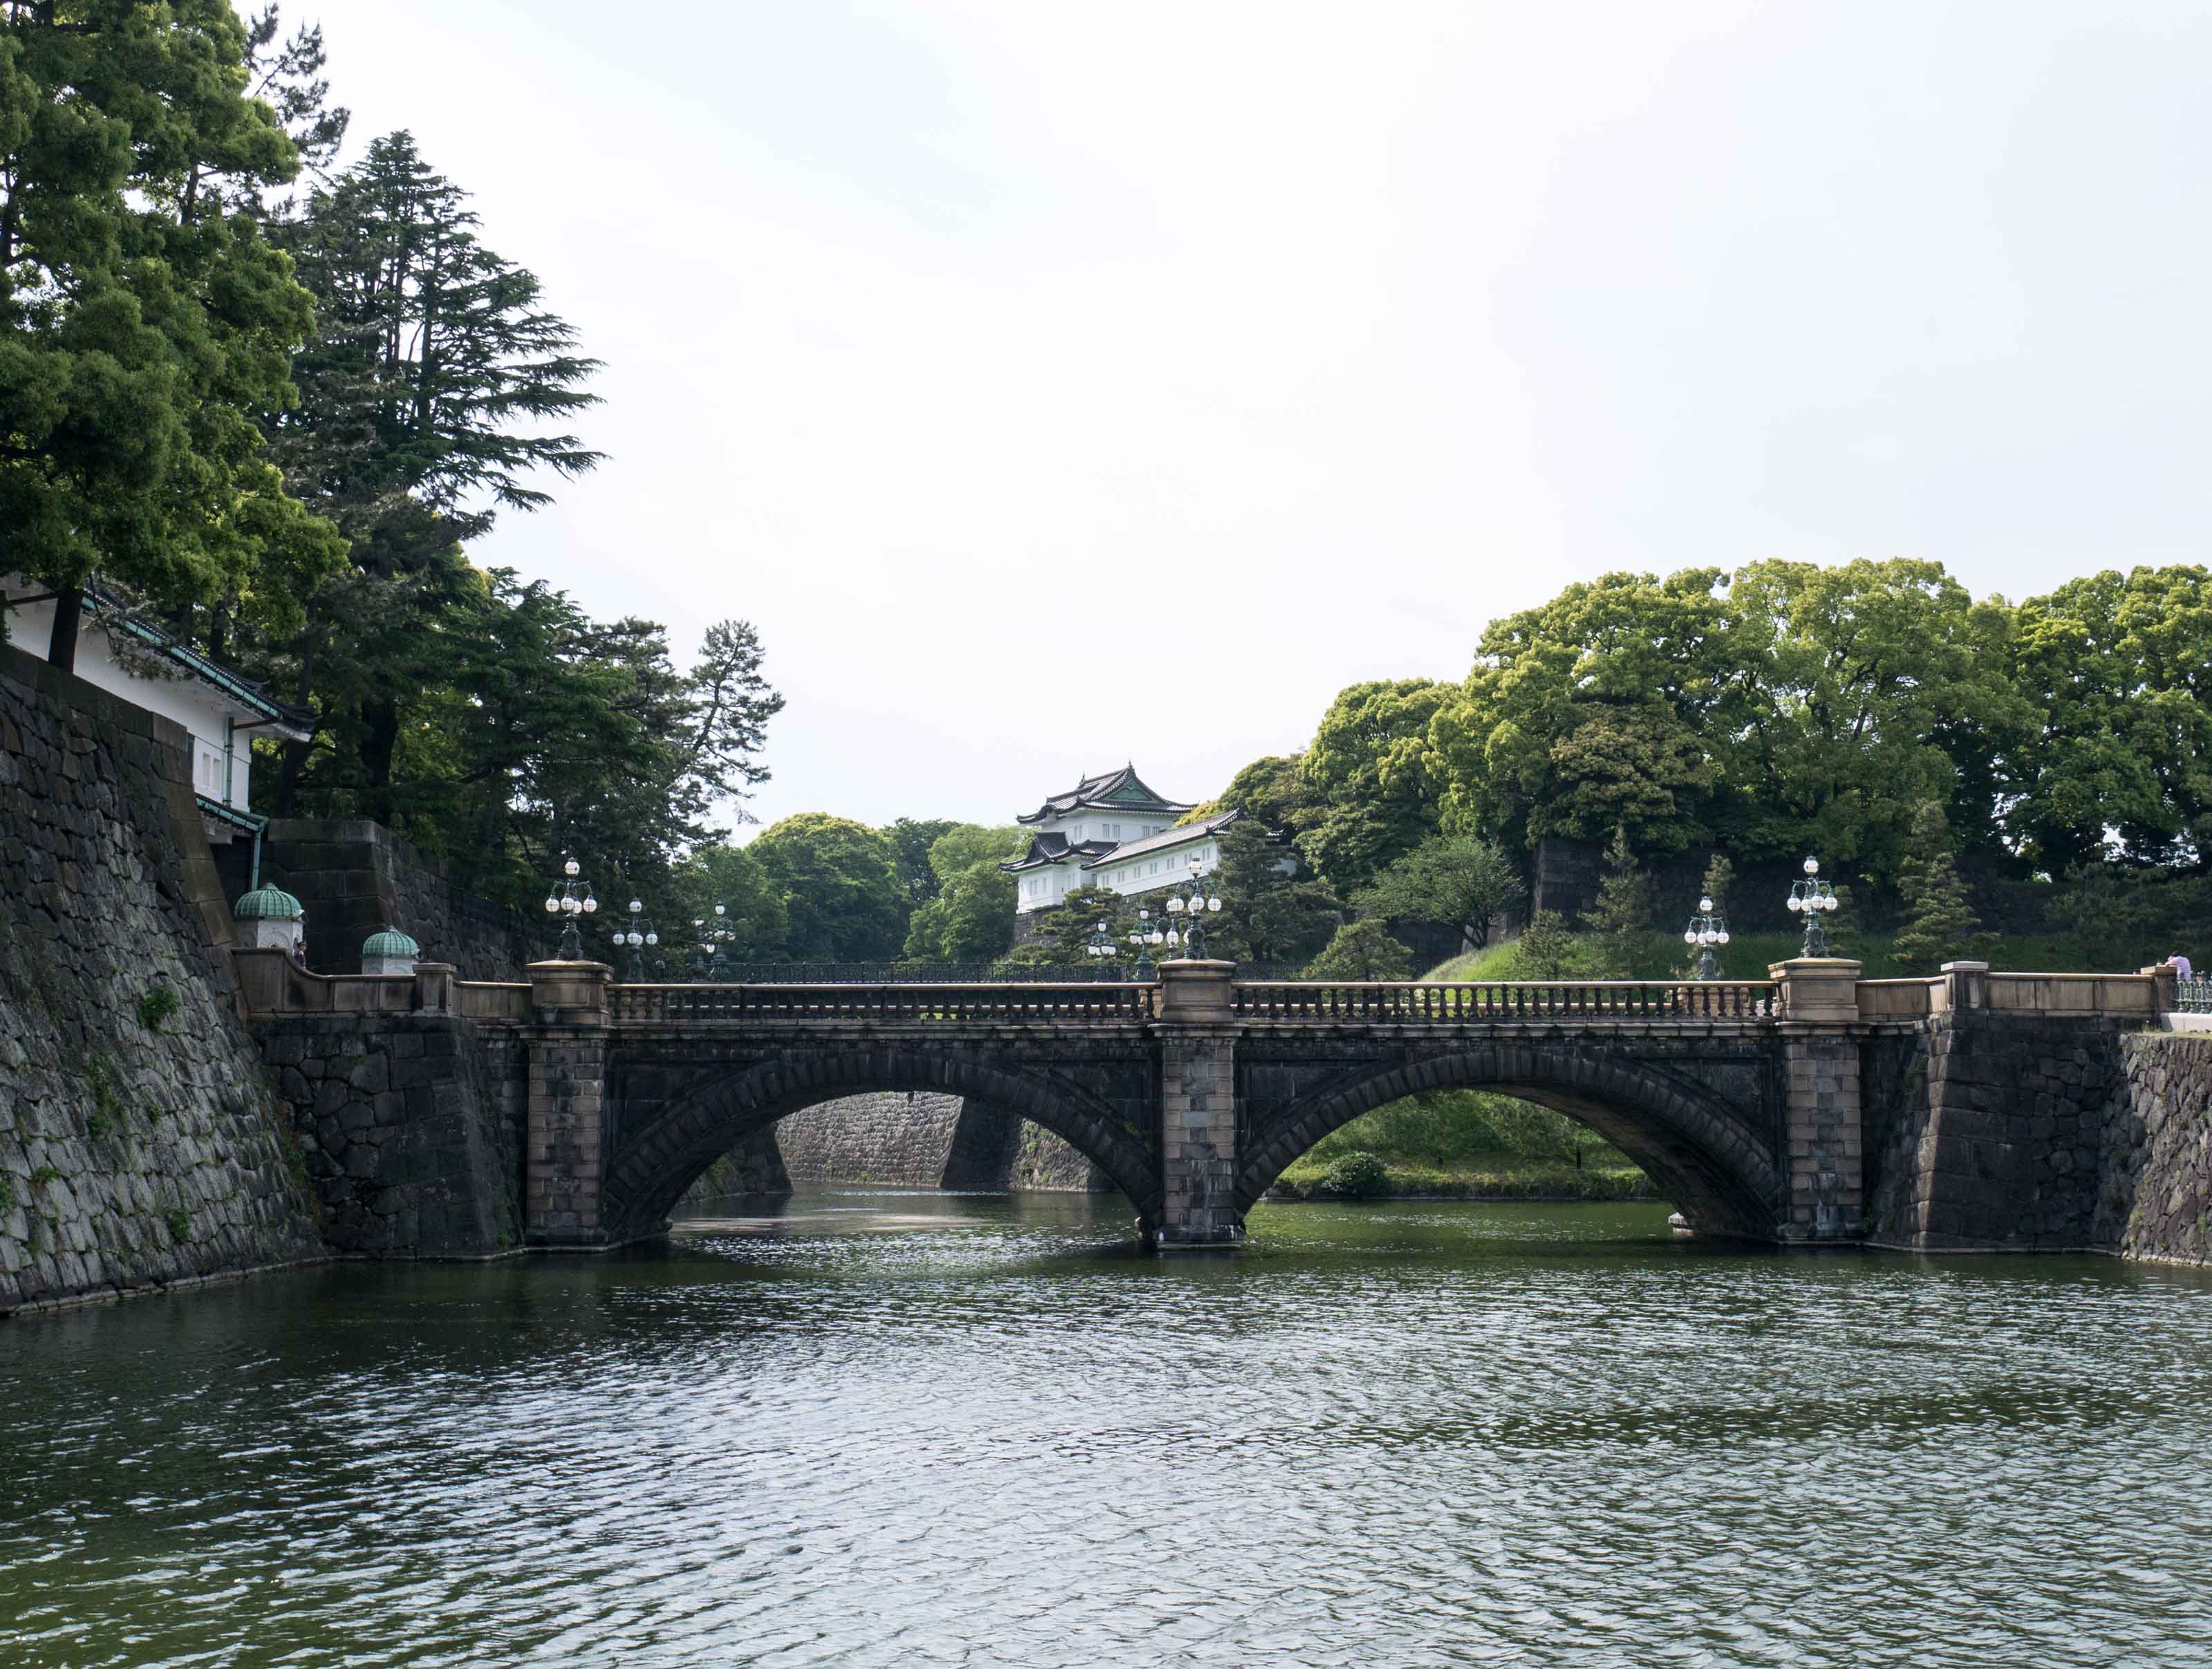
pixel 1473 1145
pixel 1748 956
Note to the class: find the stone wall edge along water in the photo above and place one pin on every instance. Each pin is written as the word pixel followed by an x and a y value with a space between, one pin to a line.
pixel 141 1144
pixel 1994 1132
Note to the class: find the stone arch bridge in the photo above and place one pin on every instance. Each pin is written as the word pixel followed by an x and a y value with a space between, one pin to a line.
pixel 1747 1102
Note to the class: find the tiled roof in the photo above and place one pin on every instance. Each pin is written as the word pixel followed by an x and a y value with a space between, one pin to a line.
pixel 294 722
pixel 1165 840
pixel 1114 791
pixel 1051 848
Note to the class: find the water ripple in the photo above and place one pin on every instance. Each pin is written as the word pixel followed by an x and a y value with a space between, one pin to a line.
pixel 869 1431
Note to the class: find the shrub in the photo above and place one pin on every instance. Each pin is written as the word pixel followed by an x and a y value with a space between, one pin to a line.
pixel 179 1223
pixel 45 1174
pixel 1364 950
pixel 7 1192
pixel 156 1004
pixel 97 1125
pixel 1356 1177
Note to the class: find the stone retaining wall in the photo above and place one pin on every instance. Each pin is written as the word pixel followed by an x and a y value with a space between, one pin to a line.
pixel 137 1147
pixel 2002 1132
pixel 897 1138
pixel 1994 1135
pixel 412 1128
pixel 753 1167
pixel 2155 1193
pixel 923 1139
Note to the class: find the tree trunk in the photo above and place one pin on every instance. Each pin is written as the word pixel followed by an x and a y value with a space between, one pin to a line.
pixel 379 740
pixel 61 648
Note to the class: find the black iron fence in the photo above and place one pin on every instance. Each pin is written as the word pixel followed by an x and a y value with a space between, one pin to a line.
pixel 912 973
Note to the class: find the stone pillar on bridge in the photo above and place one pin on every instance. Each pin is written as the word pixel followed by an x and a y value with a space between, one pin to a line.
pixel 1817 1015
pixel 1197 1041
pixel 566 1158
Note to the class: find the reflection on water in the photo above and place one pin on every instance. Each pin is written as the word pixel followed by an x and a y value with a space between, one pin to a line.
pixel 890 1429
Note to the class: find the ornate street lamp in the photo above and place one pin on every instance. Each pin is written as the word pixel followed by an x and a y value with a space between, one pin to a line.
pixel 1708 928
pixel 1101 950
pixel 1144 937
pixel 1813 898
pixel 1191 903
pixel 568 903
pixel 714 959
pixel 641 934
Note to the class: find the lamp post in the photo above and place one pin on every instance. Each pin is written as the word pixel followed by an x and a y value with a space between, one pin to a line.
pixel 1813 897
pixel 1101 950
pixel 568 904
pixel 1708 928
pixel 1146 933
pixel 641 934
pixel 715 938
pixel 1191 903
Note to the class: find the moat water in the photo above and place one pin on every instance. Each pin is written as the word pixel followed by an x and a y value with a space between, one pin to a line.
pixel 879 1428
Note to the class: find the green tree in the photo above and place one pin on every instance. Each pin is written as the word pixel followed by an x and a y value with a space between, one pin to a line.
pixel 968 913
pixel 732 877
pixel 1545 950
pixel 1842 928
pixel 1270 792
pixel 286 74
pixel 2126 918
pixel 911 838
pixel 1939 922
pixel 1362 950
pixel 840 887
pixel 2117 671
pixel 1622 915
pixel 961 846
pixel 1370 792
pixel 144 320
pixel 1461 882
pixel 1587 713
pixel 1267 914
pixel 970 920
pixel 1862 690
pixel 423 398
pixel 1720 875
pixel 1067 927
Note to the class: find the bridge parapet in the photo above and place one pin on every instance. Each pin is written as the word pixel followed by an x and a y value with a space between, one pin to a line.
pixel 985 1004
pixel 1401 1000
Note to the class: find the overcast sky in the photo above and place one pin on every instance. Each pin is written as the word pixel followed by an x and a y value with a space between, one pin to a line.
pixel 1057 385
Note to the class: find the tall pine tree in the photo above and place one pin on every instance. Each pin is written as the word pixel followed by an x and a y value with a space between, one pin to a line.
pixel 430 401
pixel 1939 922
pixel 1622 915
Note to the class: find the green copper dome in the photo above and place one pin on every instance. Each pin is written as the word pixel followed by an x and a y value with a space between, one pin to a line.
pixel 267 903
pixel 390 942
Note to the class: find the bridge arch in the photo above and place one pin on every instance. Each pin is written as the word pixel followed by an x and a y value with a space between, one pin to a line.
pixel 1699 1150
pixel 651 1169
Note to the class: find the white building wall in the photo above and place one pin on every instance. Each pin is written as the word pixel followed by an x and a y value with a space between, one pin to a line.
pixel 1157 869
pixel 189 701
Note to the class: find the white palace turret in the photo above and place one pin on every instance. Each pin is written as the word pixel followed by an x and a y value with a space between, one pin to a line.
pixel 1113 831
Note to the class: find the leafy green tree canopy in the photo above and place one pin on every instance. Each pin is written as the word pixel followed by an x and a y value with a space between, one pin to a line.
pixel 2117 669
pixel 144 319
pixel 1457 880
pixel 1370 791
pixel 753 909
pixel 840 886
